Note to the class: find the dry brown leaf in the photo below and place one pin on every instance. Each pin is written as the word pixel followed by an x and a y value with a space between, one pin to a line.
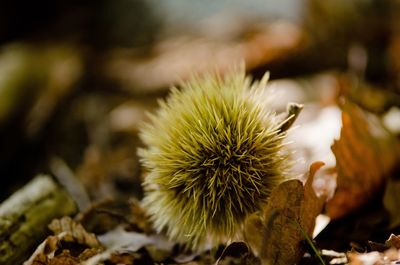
pixel 365 155
pixel 361 258
pixel 65 258
pixel 253 231
pixel 124 258
pixel 393 241
pixel 74 232
pixel 291 211
pixel 312 204
pixel 390 256
pixel 44 251
pixel 65 230
pixel 88 253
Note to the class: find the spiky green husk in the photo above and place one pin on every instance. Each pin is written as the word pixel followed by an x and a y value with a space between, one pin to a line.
pixel 213 155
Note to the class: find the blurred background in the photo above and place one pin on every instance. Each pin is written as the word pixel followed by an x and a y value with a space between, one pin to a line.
pixel 77 77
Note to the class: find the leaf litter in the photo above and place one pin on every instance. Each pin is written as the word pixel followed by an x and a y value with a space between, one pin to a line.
pixel 365 153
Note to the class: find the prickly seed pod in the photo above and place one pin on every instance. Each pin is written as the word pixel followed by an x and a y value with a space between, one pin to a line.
pixel 213 154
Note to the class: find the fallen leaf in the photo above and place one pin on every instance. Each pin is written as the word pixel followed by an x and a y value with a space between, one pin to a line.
pixel 390 253
pixel 88 253
pixel 68 231
pixel 364 258
pixel 253 231
pixel 312 204
pixel 365 155
pixel 44 251
pixel 123 258
pixel 390 256
pixel 393 241
pixel 290 213
pixel 65 258
pixel 51 251
pixel 74 232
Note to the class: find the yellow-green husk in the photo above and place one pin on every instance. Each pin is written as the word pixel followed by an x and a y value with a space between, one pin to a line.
pixel 213 154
